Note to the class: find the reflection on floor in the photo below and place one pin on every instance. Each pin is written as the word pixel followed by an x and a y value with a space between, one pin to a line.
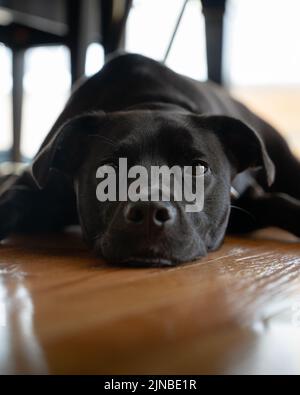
pixel 235 311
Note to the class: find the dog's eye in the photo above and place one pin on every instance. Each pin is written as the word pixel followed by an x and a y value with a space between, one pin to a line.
pixel 199 167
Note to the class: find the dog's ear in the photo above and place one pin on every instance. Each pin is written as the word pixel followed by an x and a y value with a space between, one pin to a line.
pixel 243 146
pixel 67 148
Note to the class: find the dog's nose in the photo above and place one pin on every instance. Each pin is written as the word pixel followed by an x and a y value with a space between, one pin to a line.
pixel 154 213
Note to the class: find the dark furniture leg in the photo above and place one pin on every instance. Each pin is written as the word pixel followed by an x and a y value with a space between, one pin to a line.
pixel 113 16
pixel 17 98
pixel 78 38
pixel 213 11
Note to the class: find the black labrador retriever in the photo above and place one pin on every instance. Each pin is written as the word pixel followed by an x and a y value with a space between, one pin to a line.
pixel 138 109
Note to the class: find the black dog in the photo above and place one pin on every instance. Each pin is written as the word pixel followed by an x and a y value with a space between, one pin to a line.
pixel 139 109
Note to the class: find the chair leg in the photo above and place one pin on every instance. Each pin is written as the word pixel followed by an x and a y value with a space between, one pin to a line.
pixel 113 17
pixel 213 12
pixel 18 56
pixel 78 37
pixel 78 56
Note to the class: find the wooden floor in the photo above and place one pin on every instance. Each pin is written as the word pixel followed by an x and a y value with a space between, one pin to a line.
pixel 236 311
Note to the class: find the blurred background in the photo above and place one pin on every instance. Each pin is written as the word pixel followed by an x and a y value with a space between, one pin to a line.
pixel 260 60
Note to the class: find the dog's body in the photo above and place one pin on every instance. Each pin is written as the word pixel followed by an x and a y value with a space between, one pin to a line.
pixel 138 108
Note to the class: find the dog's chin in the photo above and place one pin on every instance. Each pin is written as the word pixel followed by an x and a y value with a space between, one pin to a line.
pixel 142 259
pixel 143 262
pixel 145 259
pixel 146 255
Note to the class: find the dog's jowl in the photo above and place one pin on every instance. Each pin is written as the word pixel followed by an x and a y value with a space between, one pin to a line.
pixel 139 110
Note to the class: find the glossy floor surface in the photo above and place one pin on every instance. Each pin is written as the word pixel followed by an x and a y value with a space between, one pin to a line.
pixel 236 311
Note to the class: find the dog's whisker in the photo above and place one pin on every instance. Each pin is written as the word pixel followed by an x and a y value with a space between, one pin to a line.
pixel 243 211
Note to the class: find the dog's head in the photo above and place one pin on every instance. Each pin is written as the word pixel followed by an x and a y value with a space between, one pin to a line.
pixel 153 232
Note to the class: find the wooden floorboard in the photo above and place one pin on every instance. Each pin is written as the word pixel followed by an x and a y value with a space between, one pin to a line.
pixel 235 311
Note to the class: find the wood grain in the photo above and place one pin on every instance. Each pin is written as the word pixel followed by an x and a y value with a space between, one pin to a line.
pixel 235 311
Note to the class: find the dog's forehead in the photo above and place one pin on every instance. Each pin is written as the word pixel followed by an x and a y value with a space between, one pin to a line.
pixel 145 130
pixel 158 136
pixel 146 121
